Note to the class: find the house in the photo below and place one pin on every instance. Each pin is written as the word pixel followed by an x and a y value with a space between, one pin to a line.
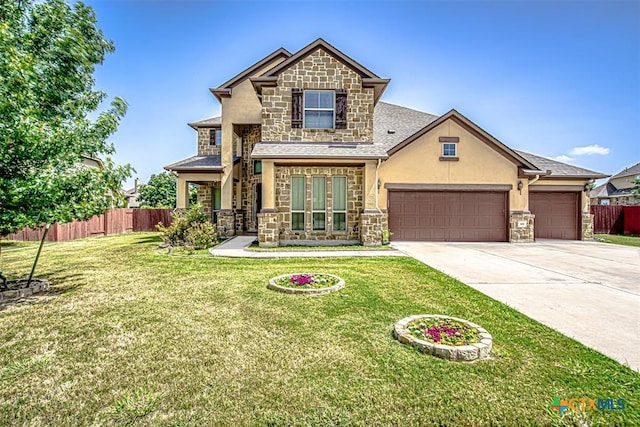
pixel 306 151
pixel 131 195
pixel 618 190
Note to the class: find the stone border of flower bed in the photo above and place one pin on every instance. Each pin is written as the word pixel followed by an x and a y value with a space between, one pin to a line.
pixel 305 291
pixel 37 285
pixel 466 353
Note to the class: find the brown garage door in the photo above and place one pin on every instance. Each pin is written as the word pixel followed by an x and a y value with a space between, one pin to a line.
pixel 448 216
pixel 556 214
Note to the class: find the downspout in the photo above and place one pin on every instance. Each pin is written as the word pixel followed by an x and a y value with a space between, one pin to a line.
pixel 534 179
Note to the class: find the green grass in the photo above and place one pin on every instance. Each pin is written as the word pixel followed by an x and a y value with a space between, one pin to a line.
pixel 618 239
pixel 127 336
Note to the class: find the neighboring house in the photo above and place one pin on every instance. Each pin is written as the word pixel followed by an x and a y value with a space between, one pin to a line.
pixel 305 151
pixel 131 195
pixel 618 190
pixel 94 162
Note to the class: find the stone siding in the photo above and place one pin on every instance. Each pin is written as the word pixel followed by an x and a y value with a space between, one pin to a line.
pixel 204 146
pixel 250 135
pixel 587 226
pixel 519 233
pixel 355 188
pixel 205 197
pixel 268 229
pixel 374 228
pixel 318 70
pixel 226 224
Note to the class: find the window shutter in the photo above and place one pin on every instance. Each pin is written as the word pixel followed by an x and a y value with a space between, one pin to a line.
pixel 341 108
pixel 296 108
pixel 212 137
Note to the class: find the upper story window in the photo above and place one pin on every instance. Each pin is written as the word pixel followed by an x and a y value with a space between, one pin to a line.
pixel 215 136
pixel 449 149
pixel 319 109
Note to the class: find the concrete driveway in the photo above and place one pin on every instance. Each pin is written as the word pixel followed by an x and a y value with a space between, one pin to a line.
pixel 588 291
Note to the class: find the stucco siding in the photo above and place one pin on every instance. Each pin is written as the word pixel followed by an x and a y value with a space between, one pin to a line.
pixel 478 163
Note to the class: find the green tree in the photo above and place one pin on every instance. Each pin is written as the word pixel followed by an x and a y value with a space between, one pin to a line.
pixel 636 187
pixel 160 191
pixel 48 53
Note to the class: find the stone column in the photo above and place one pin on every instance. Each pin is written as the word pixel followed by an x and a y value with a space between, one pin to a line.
pixel 226 223
pixel 374 227
pixel 587 226
pixel 268 232
pixel 521 227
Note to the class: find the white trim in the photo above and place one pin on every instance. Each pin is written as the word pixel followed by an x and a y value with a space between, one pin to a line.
pixel 305 109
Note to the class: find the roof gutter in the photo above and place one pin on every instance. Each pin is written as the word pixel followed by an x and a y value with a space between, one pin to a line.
pixel 534 172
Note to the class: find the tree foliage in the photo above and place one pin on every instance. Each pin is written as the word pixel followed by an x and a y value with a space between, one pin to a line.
pixel 48 54
pixel 636 187
pixel 160 191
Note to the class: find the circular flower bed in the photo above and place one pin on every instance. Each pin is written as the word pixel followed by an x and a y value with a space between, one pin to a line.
pixel 445 337
pixel 18 289
pixel 306 283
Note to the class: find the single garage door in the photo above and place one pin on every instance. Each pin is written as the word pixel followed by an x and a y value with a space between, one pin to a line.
pixel 448 216
pixel 556 214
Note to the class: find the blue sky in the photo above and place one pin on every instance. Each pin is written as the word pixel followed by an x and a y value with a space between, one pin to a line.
pixel 556 78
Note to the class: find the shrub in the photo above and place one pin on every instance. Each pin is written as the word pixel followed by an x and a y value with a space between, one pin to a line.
pixel 201 235
pixel 190 227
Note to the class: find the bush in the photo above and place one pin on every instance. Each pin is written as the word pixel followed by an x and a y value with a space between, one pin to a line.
pixel 201 235
pixel 190 227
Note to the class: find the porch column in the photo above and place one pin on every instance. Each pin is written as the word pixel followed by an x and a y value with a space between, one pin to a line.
pixel 182 193
pixel 268 227
pixel 226 190
pixel 370 185
pixel 268 185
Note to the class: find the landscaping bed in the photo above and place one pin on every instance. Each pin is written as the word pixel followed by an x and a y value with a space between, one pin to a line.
pixel 306 283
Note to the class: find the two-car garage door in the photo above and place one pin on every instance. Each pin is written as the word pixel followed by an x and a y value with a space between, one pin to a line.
pixel 478 216
pixel 449 216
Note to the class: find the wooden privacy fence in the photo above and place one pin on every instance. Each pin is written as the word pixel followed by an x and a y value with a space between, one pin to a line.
pixel 616 219
pixel 113 221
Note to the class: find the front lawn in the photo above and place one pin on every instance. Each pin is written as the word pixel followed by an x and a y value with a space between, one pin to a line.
pixel 130 336
pixel 618 239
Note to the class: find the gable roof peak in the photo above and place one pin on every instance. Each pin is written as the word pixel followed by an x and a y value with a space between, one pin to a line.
pixel 225 88
pixel 320 43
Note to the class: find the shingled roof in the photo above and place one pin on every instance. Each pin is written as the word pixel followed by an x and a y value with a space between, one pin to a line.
pixel 633 170
pixel 559 169
pixel 392 124
pixel 199 163
pixel 206 123
pixel 318 150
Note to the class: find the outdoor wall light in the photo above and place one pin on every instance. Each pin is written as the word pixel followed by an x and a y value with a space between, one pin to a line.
pixel 520 185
